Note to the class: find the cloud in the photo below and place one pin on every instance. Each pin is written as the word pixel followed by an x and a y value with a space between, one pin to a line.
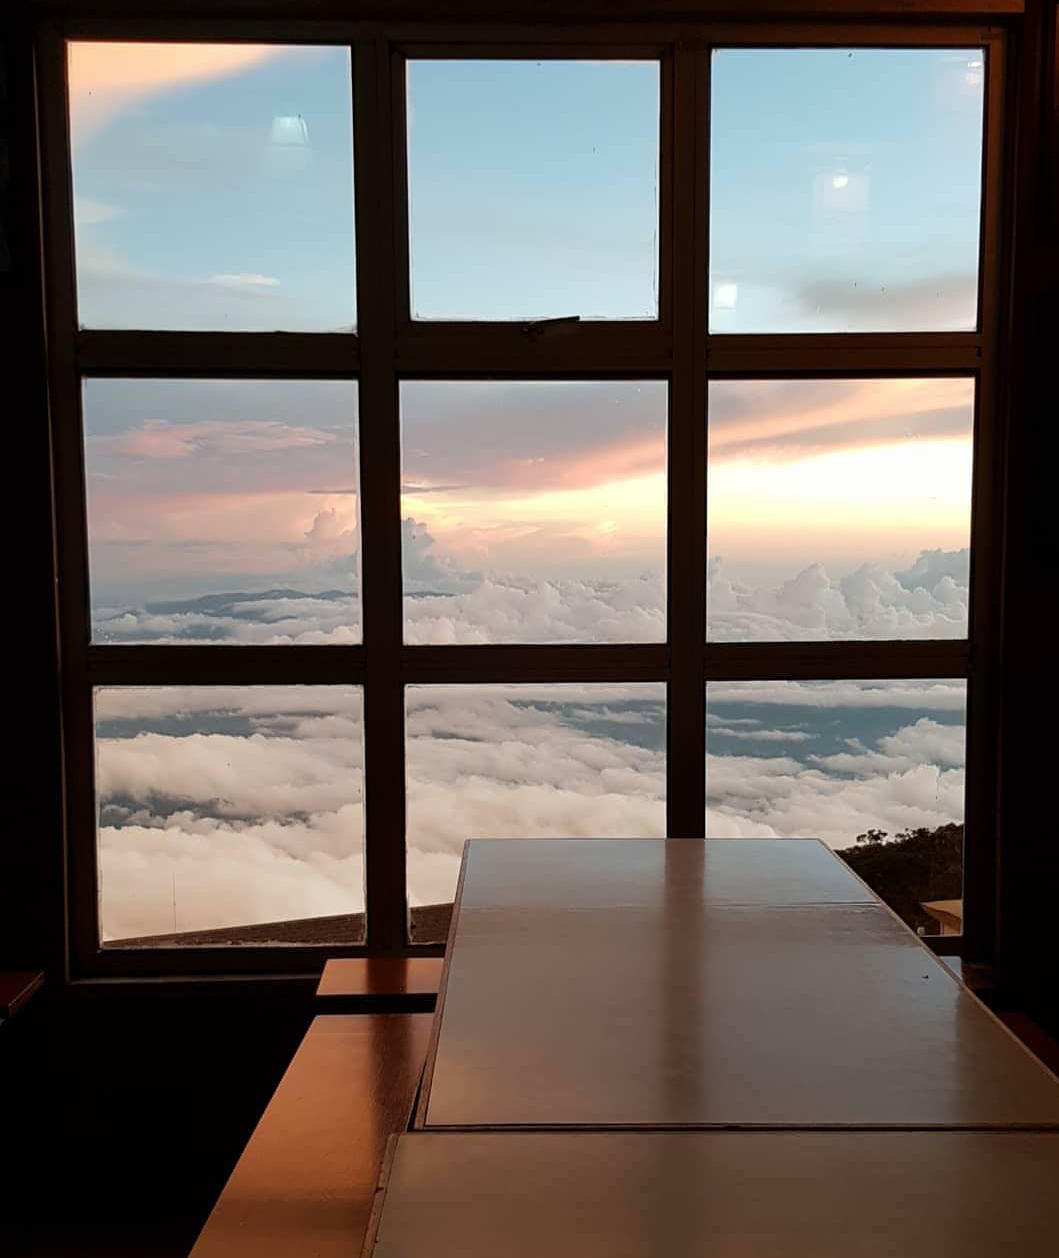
pixel 446 604
pixel 228 805
pixel 162 878
pixel 112 293
pixel 546 611
pixel 108 79
pixel 243 803
pixel 87 212
pixel 212 439
pixel 505 761
pixel 946 695
pixel 244 281
pixel 329 529
pixel 534 435
pixel 266 619
pixel 928 600
pixel 788 419
pixel 938 303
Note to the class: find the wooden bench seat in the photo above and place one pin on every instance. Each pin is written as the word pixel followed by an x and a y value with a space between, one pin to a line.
pixel 305 1182
pixel 408 983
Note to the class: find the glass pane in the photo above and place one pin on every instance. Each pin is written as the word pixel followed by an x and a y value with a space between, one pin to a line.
pixel 874 768
pixel 845 187
pixel 541 761
pixel 534 511
pixel 533 189
pixel 230 815
pixel 213 186
pixel 223 510
pixel 839 509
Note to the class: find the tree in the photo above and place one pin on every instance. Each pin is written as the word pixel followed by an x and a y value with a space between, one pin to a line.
pixel 913 867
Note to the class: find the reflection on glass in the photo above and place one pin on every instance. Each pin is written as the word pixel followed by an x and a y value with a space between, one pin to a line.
pixel 839 509
pixel 213 186
pixel 845 189
pixel 222 510
pixel 230 815
pixel 874 768
pixel 534 511
pixel 533 189
pixel 540 761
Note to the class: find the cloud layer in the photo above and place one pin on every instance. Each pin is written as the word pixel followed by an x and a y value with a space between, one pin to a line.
pixel 224 806
pixel 228 806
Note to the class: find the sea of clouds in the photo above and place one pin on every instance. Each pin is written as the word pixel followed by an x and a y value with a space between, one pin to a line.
pixel 447 604
pixel 226 805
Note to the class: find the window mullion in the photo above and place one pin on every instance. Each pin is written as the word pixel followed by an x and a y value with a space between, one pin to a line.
pixel 378 217
pixel 688 136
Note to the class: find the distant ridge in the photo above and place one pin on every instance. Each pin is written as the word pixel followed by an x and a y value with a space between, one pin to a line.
pixel 216 602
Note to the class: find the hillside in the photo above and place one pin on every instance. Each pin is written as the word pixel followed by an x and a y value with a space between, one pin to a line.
pixel 912 867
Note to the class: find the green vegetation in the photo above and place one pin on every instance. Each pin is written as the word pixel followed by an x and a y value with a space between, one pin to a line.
pixel 912 867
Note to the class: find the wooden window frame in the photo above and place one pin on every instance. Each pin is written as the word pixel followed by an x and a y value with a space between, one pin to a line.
pixel 389 346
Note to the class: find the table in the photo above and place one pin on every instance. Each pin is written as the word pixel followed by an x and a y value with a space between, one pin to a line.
pixel 710 1049
pixel 688 983
pixel 709 1194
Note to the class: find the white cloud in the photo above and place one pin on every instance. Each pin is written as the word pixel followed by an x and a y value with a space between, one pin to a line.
pixel 263 822
pixel 928 600
pixel 202 829
pixel 245 802
pixel 87 212
pixel 251 280
pixel 946 695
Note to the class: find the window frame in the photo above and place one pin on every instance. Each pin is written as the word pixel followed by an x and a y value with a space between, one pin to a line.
pixel 388 346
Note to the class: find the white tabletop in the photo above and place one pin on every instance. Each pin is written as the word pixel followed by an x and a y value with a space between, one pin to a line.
pixel 654 983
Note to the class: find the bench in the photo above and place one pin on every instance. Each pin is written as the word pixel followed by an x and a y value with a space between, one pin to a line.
pixel 304 1185
pixel 409 984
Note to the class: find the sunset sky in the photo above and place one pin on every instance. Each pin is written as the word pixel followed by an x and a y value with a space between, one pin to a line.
pixel 214 190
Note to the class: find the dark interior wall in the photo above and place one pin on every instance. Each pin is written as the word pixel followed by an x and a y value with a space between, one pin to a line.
pixel 1029 856
pixel 31 869
pixel 124 1118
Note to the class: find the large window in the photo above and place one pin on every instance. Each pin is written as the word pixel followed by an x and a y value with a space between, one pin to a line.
pixel 479 439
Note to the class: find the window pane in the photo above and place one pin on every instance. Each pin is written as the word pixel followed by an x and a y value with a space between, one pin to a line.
pixel 534 511
pixel 533 189
pixel 213 186
pixel 839 509
pixel 541 761
pixel 845 189
pixel 222 510
pixel 230 814
pixel 874 768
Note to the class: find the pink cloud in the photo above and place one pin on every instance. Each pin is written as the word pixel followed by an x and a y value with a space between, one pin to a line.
pixel 106 79
pixel 160 439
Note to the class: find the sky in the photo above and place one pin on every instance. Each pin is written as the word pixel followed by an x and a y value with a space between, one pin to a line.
pixel 214 190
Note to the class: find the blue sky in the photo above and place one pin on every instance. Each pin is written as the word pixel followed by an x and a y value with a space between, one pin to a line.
pixel 533 189
pixel 198 209
pixel 844 188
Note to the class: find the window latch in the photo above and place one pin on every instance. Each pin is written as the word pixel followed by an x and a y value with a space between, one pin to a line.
pixel 541 327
